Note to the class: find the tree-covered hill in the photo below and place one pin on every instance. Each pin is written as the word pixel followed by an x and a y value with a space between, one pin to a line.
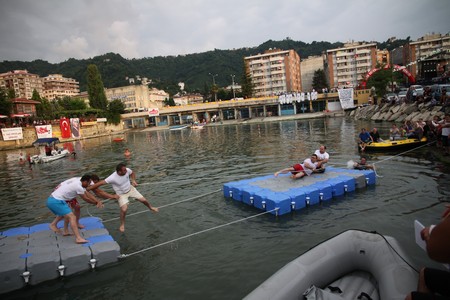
pixel 192 69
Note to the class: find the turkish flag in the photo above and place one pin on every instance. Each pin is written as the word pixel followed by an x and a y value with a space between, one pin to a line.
pixel 64 124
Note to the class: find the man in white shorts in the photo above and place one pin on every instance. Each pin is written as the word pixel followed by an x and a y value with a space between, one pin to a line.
pixel 120 181
pixel 322 159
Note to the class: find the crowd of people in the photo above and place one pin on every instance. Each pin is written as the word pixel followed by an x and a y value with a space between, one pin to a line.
pixel 436 130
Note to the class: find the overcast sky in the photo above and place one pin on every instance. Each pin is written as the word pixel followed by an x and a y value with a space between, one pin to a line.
pixel 56 30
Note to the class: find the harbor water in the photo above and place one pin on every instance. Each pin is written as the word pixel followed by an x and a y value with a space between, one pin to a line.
pixel 213 256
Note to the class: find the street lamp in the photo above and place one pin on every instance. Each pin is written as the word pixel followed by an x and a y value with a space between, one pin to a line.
pixel 232 85
pixel 214 86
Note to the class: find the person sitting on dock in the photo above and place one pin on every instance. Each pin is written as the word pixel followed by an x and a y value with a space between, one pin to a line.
pixel 362 165
pixel 364 139
pixel 120 181
pixel 300 170
pixel 322 159
pixel 56 202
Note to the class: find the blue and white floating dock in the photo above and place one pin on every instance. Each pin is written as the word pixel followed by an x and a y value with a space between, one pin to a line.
pixel 282 194
pixel 31 255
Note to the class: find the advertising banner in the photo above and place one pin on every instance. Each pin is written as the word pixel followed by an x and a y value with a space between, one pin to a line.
pixel 43 131
pixel 65 128
pixel 75 127
pixel 346 98
pixel 153 112
pixel 11 134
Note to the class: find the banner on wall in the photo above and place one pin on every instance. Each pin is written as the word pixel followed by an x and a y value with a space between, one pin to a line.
pixel 11 134
pixel 65 128
pixel 346 98
pixel 43 131
pixel 75 127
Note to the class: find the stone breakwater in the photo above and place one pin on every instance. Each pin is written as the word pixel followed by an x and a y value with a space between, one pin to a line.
pixel 397 113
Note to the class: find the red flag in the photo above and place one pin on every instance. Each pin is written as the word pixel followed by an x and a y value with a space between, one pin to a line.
pixel 64 124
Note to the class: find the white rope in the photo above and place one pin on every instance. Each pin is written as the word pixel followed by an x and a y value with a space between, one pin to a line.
pixel 427 144
pixel 170 204
pixel 196 233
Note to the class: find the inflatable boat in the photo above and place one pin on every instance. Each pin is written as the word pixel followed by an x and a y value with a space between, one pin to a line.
pixel 352 265
pixel 395 144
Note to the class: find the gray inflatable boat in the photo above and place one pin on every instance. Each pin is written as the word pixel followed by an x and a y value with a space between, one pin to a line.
pixel 352 265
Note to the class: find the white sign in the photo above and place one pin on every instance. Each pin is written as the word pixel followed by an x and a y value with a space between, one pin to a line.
pixel 346 98
pixel 11 134
pixel 153 112
pixel 101 119
pixel 43 131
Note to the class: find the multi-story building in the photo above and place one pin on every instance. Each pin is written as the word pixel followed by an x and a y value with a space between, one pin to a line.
pixel 157 97
pixel 22 82
pixel 309 66
pixel 57 86
pixel 274 72
pixel 429 56
pixel 383 57
pixel 347 66
pixel 137 97
pixel 186 99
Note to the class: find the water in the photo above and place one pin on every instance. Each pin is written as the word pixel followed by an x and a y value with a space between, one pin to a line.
pixel 228 262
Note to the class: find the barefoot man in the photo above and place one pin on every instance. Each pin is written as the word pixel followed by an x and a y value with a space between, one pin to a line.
pixel 57 204
pixel 120 181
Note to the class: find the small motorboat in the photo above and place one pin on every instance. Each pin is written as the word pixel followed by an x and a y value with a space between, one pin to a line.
pixel 55 153
pixel 352 265
pixel 178 127
pixel 395 144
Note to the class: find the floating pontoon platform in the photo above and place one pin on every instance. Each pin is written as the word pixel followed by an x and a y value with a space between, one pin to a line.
pixel 31 255
pixel 282 194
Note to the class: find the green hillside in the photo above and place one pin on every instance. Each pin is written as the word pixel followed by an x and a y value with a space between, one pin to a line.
pixel 192 69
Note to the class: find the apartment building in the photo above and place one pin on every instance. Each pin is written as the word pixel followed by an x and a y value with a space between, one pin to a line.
pixel 429 56
pixel 157 97
pixel 22 82
pixel 309 66
pixel 348 65
pixel 137 97
pixel 274 72
pixel 57 86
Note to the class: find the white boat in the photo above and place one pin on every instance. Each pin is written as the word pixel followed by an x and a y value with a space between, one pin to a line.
pixel 352 265
pixel 43 158
pixel 178 127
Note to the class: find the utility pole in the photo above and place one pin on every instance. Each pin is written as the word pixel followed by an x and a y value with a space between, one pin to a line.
pixel 214 86
pixel 232 86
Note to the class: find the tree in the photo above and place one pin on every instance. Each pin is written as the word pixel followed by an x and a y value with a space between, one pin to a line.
pixel 5 103
pixel 115 108
pixel 69 103
pixel 96 91
pixel 382 79
pixel 246 85
pixel 319 80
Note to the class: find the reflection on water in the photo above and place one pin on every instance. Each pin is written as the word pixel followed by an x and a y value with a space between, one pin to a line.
pixel 229 262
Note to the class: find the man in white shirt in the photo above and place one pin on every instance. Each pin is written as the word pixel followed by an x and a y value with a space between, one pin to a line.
pixel 300 170
pixel 120 181
pixel 322 159
pixel 68 190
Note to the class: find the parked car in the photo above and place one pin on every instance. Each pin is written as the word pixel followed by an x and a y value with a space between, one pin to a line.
pixel 436 90
pixel 391 98
pixel 402 96
pixel 417 89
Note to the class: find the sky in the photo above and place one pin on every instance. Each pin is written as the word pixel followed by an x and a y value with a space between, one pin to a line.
pixel 56 30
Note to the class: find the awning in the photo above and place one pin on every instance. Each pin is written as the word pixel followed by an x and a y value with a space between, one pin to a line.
pixel 45 141
pixel 20 115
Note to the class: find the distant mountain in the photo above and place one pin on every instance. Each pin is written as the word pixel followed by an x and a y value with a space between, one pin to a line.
pixel 192 69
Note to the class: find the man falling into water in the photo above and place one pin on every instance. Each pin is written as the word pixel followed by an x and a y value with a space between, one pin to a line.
pixel 120 181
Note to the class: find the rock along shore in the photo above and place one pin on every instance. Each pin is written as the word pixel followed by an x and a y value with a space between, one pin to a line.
pixel 397 113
